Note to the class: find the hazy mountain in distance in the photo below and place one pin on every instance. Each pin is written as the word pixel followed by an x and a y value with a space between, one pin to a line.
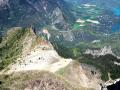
pixel 34 12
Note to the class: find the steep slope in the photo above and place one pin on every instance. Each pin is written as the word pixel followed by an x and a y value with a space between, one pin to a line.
pixel 11 46
pixel 36 55
pixel 82 75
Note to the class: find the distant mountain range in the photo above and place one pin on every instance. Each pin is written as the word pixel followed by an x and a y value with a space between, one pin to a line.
pixel 34 12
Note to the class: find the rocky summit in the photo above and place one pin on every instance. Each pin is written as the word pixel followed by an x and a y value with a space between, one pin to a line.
pixel 35 60
pixel 59 44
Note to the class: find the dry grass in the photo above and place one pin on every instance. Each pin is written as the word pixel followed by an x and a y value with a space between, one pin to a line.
pixel 20 80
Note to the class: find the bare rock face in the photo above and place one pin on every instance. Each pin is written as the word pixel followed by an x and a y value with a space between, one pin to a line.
pixel 101 52
pixel 58 19
pixel 3 3
pixel 84 76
